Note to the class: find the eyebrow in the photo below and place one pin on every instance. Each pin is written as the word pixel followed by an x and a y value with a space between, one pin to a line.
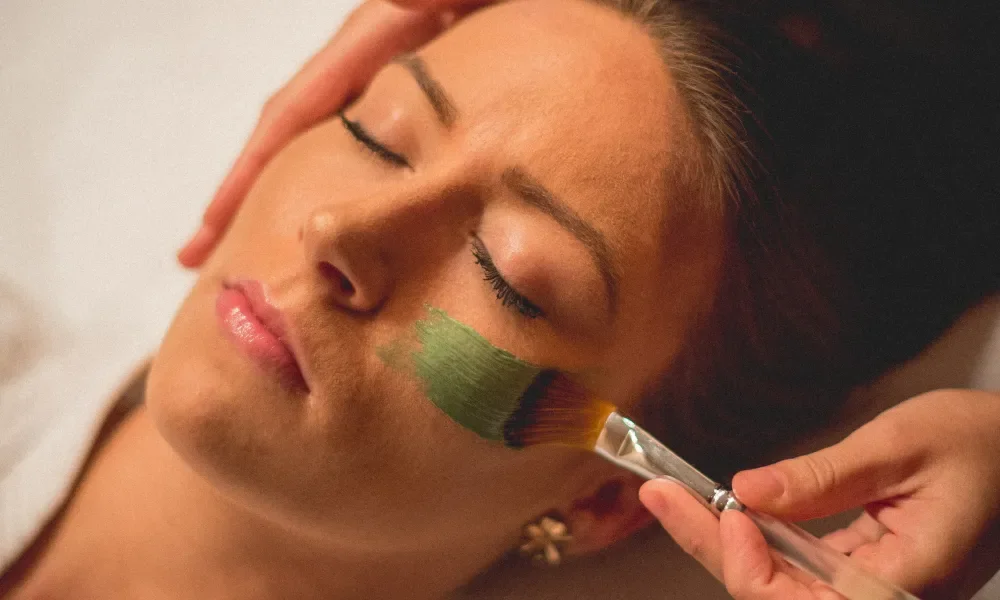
pixel 442 104
pixel 524 185
pixel 535 194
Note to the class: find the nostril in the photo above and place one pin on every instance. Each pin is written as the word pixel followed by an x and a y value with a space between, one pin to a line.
pixel 337 277
pixel 345 286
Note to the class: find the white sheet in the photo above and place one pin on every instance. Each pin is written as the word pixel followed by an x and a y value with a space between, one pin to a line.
pixel 117 120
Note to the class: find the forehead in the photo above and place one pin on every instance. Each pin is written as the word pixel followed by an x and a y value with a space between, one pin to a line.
pixel 574 93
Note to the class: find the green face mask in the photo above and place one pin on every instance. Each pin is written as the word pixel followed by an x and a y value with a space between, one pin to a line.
pixel 475 383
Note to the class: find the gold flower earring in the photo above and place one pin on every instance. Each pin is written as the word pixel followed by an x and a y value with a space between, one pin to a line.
pixel 544 541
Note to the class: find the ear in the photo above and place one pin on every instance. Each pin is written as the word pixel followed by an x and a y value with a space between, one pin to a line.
pixel 609 513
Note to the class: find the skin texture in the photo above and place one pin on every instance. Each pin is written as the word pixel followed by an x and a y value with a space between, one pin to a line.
pixel 298 493
pixel 472 381
pixel 930 489
pixel 403 240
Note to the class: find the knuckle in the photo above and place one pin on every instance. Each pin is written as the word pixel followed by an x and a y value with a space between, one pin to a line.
pixel 934 397
pixel 819 472
pixel 896 433
pixel 904 440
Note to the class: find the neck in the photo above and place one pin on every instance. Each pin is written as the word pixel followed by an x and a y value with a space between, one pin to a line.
pixel 142 523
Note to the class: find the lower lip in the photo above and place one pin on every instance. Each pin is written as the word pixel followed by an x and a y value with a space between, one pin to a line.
pixel 243 328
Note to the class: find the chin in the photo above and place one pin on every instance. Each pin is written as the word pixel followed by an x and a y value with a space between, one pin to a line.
pixel 227 422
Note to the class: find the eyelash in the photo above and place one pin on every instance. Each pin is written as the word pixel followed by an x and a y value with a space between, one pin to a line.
pixel 369 143
pixel 507 295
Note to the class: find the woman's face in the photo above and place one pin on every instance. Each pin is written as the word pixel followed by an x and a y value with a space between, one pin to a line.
pixel 540 133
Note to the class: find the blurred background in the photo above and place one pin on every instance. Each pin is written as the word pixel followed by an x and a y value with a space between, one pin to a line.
pixel 118 119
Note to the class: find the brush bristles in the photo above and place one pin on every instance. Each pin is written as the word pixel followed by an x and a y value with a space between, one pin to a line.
pixel 554 410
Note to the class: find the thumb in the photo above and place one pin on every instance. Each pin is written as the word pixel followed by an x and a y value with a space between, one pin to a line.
pixel 865 467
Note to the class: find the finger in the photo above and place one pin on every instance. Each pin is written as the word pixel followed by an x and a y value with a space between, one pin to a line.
pixel 845 541
pixel 893 558
pixel 370 38
pixel 688 521
pixel 750 571
pixel 375 33
pixel 921 548
pixel 197 249
pixel 924 548
pixel 863 530
pixel 869 465
pixel 747 564
pixel 911 542
pixel 881 557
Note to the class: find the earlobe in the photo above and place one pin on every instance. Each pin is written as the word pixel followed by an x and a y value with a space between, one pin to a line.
pixel 608 515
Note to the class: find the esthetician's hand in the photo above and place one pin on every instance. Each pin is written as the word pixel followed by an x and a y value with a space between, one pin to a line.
pixel 927 473
pixel 370 37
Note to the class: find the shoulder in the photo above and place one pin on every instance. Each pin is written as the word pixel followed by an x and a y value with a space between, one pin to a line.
pixel 51 414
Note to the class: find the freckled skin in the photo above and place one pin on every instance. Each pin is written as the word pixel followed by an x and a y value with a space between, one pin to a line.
pixel 566 90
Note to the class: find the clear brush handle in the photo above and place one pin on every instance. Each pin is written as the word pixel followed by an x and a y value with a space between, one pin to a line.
pixel 628 445
pixel 817 558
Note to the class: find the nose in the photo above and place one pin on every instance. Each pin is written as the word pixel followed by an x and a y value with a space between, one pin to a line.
pixel 364 246
pixel 347 257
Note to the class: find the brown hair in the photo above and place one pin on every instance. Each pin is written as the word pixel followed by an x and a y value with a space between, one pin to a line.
pixel 761 363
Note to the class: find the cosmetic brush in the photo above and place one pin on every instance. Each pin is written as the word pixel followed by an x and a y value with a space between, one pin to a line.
pixel 555 410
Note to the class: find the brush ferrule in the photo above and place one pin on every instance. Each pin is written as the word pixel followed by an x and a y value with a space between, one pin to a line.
pixel 724 499
pixel 626 444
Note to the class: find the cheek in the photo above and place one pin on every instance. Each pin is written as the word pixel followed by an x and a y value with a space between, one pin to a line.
pixel 366 458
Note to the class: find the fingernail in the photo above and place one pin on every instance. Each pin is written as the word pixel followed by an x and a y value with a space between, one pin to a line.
pixel 764 483
pixel 198 243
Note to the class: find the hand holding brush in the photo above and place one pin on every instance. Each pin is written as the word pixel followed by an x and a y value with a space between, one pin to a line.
pixel 927 474
pixel 913 524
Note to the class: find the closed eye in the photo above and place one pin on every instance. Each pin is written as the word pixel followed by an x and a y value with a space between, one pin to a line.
pixel 370 143
pixel 507 295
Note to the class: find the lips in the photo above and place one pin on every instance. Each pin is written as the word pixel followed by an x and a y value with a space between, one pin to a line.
pixel 258 329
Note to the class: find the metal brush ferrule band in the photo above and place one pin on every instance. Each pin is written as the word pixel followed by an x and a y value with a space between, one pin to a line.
pixel 631 447
pixel 724 499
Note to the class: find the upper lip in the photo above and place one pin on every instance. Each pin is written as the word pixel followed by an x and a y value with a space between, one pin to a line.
pixel 270 316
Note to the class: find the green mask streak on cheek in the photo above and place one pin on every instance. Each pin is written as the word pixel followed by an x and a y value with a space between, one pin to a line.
pixel 475 383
